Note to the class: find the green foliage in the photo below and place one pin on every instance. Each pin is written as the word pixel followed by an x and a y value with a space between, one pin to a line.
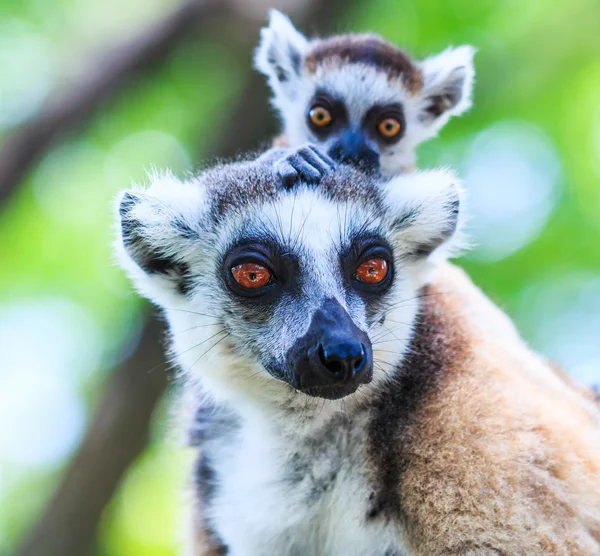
pixel 537 69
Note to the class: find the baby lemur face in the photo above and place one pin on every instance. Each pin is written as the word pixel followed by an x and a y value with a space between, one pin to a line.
pixel 359 97
pixel 286 294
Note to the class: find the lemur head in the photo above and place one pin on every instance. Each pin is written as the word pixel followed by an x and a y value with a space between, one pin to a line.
pixel 360 97
pixel 286 295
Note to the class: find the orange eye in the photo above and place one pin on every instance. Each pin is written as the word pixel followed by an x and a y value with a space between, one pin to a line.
pixel 389 127
pixel 251 276
pixel 372 271
pixel 320 116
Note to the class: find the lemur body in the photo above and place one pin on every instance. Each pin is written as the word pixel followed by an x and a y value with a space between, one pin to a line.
pixel 356 411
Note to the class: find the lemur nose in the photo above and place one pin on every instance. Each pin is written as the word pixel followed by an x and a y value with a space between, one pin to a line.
pixel 342 361
pixel 352 148
pixel 333 358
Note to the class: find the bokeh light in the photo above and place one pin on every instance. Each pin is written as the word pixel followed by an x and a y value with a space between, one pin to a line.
pixel 511 173
pixel 561 316
pixel 47 347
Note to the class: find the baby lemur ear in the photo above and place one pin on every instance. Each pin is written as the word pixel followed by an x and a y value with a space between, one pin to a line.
pixel 155 230
pixel 426 214
pixel 447 85
pixel 280 52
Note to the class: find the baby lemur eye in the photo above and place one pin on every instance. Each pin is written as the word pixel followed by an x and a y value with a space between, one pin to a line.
pixel 251 276
pixel 389 127
pixel 372 271
pixel 320 116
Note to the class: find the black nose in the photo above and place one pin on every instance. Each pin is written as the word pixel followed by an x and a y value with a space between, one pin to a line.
pixel 352 148
pixel 342 360
pixel 333 358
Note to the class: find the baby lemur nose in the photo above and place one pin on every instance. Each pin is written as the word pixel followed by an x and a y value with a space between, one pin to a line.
pixel 342 360
pixel 352 148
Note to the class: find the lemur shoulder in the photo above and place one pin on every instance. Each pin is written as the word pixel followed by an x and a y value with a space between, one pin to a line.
pixel 367 102
pixel 356 410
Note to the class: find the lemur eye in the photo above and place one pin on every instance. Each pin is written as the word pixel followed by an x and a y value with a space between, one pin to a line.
pixel 372 271
pixel 320 116
pixel 389 127
pixel 251 276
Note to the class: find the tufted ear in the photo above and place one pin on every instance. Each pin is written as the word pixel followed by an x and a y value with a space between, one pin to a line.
pixel 447 85
pixel 279 54
pixel 425 211
pixel 156 228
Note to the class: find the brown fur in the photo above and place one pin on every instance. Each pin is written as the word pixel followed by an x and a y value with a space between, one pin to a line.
pixel 499 456
pixel 367 49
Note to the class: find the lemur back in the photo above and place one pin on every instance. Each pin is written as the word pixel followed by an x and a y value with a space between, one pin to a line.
pixel 356 410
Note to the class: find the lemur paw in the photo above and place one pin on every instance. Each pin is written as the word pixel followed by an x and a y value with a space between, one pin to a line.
pixel 307 164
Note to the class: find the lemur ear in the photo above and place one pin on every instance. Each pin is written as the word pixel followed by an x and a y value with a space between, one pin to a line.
pixel 155 228
pixel 280 52
pixel 425 212
pixel 447 85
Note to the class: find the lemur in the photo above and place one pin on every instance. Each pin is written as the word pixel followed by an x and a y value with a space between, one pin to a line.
pixel 355 411
pixel 366 102
pixel 359 97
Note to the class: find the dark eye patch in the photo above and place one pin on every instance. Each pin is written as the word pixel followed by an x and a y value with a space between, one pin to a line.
pixel 377 114
pixel 267 253
pixel 360 250
pixel 335 106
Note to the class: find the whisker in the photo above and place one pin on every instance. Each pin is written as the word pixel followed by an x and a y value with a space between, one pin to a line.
pixel 192 312
pixel 301 230
pixel 194 328
pixel 211 347
pixel 289 239
pixel 175 355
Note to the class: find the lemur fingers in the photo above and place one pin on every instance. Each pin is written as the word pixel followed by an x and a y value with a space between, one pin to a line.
pixel 319 159
pixel 306 164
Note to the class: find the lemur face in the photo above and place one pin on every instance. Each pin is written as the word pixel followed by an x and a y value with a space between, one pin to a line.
pixel 359 97
pixel 286 294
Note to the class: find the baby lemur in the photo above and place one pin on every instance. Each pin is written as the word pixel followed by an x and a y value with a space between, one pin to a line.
pixel 355 411
pixel 359 97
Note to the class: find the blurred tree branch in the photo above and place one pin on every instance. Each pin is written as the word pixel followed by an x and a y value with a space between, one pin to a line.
pixel 24 147
pixel 116 436
pixel 119 430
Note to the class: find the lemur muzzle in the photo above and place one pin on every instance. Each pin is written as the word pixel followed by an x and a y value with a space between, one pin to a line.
pixel 352 148
pixel 334 357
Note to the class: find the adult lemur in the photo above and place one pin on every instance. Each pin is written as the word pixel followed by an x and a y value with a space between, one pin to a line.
pixel 355 411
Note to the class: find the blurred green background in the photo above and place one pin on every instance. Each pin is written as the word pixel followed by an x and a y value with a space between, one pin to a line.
pixel 529 152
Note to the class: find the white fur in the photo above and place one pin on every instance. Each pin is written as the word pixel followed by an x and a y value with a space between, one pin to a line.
pixel 431 191
pixel 452 66
pixel 261 514
pixel 166 197
pixel 276 41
